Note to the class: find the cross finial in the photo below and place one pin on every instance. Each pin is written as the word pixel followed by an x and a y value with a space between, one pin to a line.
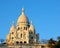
pixel 22 10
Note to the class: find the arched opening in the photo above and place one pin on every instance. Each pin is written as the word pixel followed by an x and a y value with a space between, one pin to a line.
pixel 21 35
pixel 25 42
pixel 18 28
pixel 12 38
pixel 25 28
pixel 12 32
pixel 20 42
pixel 24 36
pixel 31 37
pixel 17 42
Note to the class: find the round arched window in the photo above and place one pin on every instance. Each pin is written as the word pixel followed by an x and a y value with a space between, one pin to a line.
pixel 12 32
pixel 12 37
pixel 24 41
pixel 20 42
pixel 18 28
pixel 17 42
pixel 25 28
pixel 21 35
pixel 31 37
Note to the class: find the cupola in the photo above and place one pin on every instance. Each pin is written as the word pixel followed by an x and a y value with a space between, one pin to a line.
pixel 32 29
pixel 12 27
pixel 22 18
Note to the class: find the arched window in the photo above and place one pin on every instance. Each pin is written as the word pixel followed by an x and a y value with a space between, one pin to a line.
pixel 20 42
pixel 21 35
pixel 25 28
pixel 31 37
pixel 24 36
pixel 17 42
pixel 24 41
pixel 12 37
pixel 18 28
pixel 12 32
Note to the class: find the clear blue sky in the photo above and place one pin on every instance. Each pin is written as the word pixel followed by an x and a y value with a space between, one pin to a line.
pixel 45 15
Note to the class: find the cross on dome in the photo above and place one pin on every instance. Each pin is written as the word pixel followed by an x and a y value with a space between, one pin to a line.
pixel 22 10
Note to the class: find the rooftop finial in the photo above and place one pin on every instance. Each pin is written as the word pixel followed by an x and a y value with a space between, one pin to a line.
pixel 22 10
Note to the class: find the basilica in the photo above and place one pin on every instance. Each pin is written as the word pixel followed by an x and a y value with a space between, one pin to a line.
pixel 23 35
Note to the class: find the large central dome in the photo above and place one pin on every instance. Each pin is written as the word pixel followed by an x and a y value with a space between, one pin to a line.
pixel 22 18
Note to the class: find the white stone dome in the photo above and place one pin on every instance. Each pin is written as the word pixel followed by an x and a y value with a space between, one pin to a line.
pixel 32 28
pixel 12 27
pixel 22 18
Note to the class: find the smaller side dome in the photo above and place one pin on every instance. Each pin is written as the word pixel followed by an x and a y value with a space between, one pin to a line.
pixel 32 28
pixel 12 28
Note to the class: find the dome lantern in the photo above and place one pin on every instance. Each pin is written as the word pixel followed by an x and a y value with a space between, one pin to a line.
pixel 22 18
pixel 22 10
pixel 32 27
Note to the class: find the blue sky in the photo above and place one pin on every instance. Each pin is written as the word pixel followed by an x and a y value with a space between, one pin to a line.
pixel 45 15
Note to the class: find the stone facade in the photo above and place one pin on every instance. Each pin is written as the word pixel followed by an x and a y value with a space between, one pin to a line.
pixel 23 35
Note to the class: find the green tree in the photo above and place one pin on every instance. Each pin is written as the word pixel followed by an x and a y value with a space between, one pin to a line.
pixel 51 43
pixel 57 45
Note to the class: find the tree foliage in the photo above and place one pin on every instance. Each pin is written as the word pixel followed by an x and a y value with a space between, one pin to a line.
pixel 51 43
pixel 57 45
pixel 54 44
